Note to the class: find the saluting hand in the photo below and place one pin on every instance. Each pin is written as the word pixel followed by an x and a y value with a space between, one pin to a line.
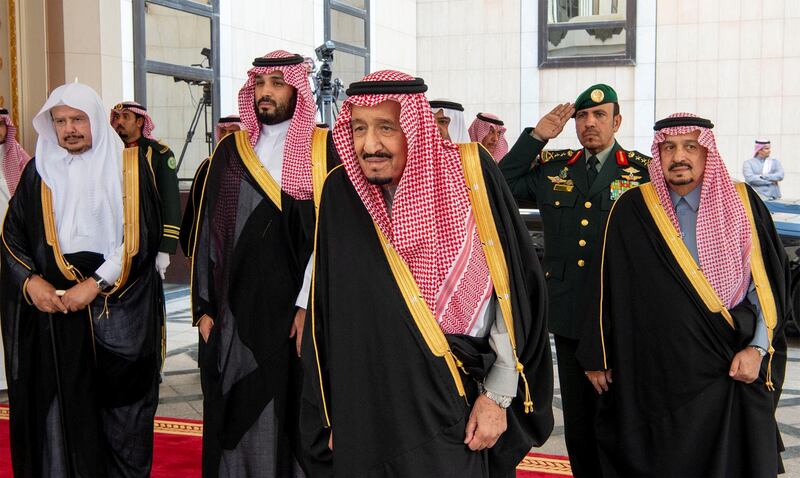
pixel 600 379
pixel 553 122
pixel 80 295
pixel 43 295
pixel 487 421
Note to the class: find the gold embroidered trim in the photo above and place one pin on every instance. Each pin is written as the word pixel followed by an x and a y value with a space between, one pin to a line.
pixel 492 248
pixel 51 234
pixel 250 160
pixel 130 209
pixel 602 275
pixel 423 317
pixel 319 163
pixel 682 254
pixel 759 273
pixel 313 315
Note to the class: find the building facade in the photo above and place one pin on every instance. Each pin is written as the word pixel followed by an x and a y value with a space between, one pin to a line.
pixel 733 61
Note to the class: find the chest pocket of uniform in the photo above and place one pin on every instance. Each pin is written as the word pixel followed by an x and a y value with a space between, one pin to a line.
pixel 557 211
pixel 560 199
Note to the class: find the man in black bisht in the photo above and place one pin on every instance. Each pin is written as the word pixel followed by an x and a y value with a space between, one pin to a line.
pixel 251 250
pixel 697 358
pixel 82 308
pixel 428 353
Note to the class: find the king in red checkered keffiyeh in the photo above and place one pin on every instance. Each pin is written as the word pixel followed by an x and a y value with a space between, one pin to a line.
pixel 482 125
pixel 723 229
pixel 296 168
pixel 432 226
pixel 15 157
pixel 147 127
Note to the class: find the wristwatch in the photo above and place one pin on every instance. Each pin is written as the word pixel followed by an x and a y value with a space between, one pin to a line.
pixel 101 283
pixel 761 351
pixel 502 401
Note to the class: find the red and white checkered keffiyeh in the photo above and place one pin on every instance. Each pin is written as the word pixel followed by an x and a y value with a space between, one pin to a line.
pixel 479 129
pixel 15 157
pixel 432 226
pixel 147 127
pixel 219 133
pixel 760 145
pixel 296 168
pixel 723 229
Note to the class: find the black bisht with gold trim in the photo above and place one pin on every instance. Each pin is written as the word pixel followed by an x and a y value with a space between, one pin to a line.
pixel 250 246
pixel 672 409
pixel 108 355
pixel 396 407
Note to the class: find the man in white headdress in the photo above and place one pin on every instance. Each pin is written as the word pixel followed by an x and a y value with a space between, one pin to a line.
pixel 81 306
pixel 450 120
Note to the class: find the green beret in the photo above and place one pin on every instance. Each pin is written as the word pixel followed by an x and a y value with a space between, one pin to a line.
pixel 595 95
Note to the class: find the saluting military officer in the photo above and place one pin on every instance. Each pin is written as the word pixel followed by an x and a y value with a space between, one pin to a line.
pixel 131 121
pixel 574 190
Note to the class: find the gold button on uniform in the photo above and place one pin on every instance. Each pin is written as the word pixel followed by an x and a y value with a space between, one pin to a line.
pixel 587 204
pixel 581 263
pixel 584 222
pixel 582 243
pixel 558 203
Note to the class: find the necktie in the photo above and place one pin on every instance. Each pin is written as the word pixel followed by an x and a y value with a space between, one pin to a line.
pixel 591 173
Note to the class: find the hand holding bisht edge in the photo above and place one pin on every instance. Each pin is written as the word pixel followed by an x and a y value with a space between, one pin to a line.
pixel 600 379
pixel 487 421
pixel 746 365
pixel 204 325
pixel 553 122
pixel 297 328
pixel 44 296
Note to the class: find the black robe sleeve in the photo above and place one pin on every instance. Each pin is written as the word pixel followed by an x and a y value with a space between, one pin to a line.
pixel 189 220
pixel 17 257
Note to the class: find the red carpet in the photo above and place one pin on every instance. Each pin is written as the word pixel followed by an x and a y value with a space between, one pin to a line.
pixel 538 465
pixel 178 445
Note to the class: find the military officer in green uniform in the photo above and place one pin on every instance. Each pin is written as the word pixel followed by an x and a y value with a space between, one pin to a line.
pixel 574 190
pixel 131 121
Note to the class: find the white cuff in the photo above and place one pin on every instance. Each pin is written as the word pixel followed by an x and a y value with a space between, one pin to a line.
pixel 305 290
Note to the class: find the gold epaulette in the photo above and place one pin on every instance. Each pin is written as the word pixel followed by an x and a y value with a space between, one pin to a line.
pixel 164 148
pixel 547 156
pixel 639 158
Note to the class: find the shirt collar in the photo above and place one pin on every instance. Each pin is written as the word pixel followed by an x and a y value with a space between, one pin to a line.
pixel 275 129
pixel 602 155
pixel 692 198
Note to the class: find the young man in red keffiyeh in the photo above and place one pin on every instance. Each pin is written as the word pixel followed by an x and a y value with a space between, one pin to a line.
pixel 697 361
pixel 250 253
pixel 135 127
pixel 489 130
pixel 427 353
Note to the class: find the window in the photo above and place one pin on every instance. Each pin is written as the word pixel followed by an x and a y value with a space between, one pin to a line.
pixel 176 74
pixel 587 33
pixel 347 25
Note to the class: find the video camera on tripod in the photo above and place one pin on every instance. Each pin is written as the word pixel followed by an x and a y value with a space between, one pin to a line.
pixel 201 110
pixel 328 89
